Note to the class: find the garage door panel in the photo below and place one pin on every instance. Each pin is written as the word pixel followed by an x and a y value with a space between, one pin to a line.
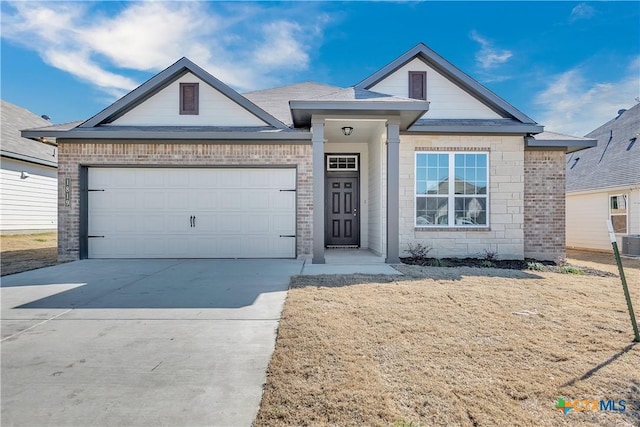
pixel 283 224
pixel 153 200
pixel 258 199
pixel 282 200
pixel 146 213
pixel 258 224
pixel 283 179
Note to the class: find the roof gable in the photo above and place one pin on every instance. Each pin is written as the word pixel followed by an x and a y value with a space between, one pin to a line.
pixel 485 104
pixel 137 104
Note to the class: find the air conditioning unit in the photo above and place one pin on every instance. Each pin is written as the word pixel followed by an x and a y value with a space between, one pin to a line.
pixel 631 245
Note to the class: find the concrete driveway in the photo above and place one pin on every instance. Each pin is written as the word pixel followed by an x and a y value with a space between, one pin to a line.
pixel 140 342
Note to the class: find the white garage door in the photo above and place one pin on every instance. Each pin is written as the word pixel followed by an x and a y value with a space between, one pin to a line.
pixel 191 213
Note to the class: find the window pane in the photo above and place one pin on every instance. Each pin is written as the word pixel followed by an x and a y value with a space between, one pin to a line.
pixel 431 211
pixel 432 160
pixel 471 211
pixel 421 187
pixel 422 160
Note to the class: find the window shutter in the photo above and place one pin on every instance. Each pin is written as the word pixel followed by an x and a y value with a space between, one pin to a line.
pixel 418 84
pixel 188 98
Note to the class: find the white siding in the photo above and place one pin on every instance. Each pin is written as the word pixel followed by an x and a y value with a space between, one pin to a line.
pixel 31 203
pixel 447 100
pixel 587 216
pixel 162 109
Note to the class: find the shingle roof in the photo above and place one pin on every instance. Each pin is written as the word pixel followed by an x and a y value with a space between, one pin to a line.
pixel 15 119
pixel 276 100
pixel 614 162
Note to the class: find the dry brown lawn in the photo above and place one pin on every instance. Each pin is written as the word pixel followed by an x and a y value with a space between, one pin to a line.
pixel 22 252
pixel 455 347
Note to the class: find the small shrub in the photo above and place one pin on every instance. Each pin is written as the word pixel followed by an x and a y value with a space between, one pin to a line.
pixel 489 255
pixel 534 265
pixel 403 423
pixel 486 263
pixel 567 269
pixel 418 250
pixel 561 261
pixel 437 262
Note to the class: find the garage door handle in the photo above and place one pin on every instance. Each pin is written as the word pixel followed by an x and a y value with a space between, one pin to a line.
pixel 194 220
pixel 287 235
pixel 191 221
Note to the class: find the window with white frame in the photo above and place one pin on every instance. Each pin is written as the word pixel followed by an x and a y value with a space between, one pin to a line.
pixel 452 189
pixel 342 163
pixel 618 212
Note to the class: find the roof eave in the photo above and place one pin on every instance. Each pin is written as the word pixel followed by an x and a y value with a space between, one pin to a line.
pixel 28 159
pixel 569 145
pixel 128 134
pixel 523 129
pixel 409 111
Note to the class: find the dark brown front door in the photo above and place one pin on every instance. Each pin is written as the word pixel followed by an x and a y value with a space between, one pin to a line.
pixel 342 227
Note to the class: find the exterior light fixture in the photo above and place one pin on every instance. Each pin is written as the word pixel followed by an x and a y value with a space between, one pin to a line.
pixel 347 130
pixel 24 175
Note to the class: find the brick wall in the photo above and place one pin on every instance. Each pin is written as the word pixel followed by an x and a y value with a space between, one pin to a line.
pixel 544 204
pixel 176 153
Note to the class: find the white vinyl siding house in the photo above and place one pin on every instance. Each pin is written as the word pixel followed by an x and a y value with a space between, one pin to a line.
pixel 28 175
pixel 603 183
pixel 29 196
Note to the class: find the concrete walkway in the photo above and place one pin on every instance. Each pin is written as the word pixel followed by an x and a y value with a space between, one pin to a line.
pixel 140 342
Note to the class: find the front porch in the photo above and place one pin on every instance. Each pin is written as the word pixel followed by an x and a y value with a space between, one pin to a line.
pixel 349 261
pixel 356 190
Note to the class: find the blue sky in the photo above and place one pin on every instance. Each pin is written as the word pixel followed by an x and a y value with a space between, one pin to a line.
pixel 569 65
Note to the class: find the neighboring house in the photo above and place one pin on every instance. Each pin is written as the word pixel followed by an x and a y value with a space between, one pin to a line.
pixel 28 175
pixel 418 152
pixel 603 183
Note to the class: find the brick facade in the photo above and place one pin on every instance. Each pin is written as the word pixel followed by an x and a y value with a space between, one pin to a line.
pixel 72 155
pixel 544 204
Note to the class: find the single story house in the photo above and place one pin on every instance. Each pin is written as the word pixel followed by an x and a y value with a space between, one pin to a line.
pixel 417 152
pixel 28 175
pixel 603 183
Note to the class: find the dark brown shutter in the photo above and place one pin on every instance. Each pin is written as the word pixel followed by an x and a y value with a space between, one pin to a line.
pixel 188 98
pixel 418 84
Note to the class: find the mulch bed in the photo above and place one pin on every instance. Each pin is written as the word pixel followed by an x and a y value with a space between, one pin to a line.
pixel 509 264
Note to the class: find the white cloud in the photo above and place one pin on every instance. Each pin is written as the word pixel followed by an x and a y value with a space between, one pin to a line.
pixel 282 47
pixel 573 105
pixel 489 57
pixel 101 49
pixel 581 11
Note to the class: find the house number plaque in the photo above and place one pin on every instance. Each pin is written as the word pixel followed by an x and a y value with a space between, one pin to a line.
pixel 67 191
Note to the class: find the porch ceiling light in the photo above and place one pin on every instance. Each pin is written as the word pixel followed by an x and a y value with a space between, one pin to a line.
pixel 347 130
